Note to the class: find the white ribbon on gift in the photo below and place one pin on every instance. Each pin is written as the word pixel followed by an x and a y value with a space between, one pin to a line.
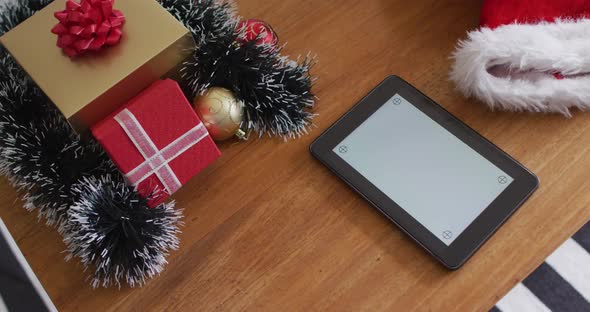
pixel 157 161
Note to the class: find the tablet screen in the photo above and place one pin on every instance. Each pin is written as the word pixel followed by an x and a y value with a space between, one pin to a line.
pixel 436 178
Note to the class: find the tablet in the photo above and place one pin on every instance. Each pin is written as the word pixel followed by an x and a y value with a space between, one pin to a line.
pixel 20 290
pixel 441 182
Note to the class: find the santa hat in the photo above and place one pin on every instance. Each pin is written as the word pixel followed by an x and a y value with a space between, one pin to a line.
pixel 528 55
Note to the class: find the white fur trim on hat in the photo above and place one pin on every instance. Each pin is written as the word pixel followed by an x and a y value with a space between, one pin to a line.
pixel 510 67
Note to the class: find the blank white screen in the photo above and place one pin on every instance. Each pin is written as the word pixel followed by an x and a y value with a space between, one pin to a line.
pixel 440 181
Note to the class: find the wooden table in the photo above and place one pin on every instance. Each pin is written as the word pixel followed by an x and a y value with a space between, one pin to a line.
pixel 269 228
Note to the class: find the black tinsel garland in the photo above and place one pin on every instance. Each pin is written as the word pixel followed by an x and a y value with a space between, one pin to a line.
pixel 148 232
pixel 72 183
pixel 75 187
pixel 275 90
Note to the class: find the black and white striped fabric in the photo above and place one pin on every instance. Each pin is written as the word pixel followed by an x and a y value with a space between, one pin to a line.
pixel 560 284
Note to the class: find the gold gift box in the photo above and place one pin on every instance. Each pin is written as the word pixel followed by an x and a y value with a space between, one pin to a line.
pixel 88 88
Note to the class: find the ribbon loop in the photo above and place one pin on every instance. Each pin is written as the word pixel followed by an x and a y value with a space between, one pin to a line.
pixel 91 25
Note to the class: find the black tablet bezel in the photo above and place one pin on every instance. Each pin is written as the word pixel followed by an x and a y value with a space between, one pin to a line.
pixel 454 255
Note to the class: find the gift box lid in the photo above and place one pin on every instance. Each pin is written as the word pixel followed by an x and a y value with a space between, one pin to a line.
pixel 89 87
pixel 164 116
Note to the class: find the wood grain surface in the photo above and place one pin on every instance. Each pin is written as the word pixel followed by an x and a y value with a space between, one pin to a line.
pixel 267 228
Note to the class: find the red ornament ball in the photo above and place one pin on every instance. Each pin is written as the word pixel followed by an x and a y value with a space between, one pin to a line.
pixel 259 31
pixel 88 26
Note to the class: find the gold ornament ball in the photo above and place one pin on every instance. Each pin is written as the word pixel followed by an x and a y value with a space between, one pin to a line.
pixel 220 112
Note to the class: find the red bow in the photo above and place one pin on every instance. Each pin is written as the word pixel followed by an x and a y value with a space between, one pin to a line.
pixel 88 26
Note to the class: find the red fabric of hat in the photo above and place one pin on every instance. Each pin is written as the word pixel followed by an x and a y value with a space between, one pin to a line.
pixel 504 12
pixel 528 55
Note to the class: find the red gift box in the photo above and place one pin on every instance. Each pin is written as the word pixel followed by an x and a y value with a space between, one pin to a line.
pixel 157 141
